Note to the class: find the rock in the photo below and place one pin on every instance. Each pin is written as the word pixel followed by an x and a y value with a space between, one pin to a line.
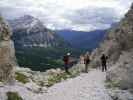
pixel 120 95
pixel 35 88
pixel 54 71
pixel 7 53
pixel 118 45
pixel 122 71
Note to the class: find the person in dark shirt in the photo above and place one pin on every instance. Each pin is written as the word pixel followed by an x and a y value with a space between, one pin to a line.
pixel 87 61
pixel 104 62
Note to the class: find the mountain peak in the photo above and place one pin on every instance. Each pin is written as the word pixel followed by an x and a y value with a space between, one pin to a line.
pixel 27 22
pixel 132 6
pixel 129 15
pixel 30 32
pixel 27 17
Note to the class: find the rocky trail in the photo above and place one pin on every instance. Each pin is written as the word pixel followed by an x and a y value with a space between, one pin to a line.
pixel 87 86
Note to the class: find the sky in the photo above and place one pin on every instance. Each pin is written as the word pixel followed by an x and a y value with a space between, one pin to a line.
pixel 80 15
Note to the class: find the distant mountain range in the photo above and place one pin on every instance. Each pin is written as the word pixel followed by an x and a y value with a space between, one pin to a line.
pixel 30 32
pixel 83 40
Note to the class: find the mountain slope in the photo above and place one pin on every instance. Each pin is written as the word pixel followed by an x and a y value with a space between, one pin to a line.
pixel 118 45
pixel 83 40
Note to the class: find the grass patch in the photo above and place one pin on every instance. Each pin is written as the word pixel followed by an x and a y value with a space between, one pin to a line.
pixel 21 77
pixel 62 76
pixel 57 78
pixel 13 96
pixel 112 84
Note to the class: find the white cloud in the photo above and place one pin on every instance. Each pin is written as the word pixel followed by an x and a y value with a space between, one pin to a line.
pixel 69 14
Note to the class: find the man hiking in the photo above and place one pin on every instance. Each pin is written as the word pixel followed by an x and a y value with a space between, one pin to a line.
pixel 87 61
pixel 104 62
pixel 66 62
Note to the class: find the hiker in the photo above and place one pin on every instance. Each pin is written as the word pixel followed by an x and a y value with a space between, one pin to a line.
pixel 81 59
pixel 87 61
pixel 104 62
pixel 66 62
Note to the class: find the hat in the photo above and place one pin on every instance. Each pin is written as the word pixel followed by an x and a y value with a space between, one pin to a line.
pixel 68 54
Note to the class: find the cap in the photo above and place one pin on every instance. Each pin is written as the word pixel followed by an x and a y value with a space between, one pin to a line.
pixel 68 54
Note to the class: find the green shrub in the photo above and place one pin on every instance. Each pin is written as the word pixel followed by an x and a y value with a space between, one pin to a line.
pixel 74 73
pixel 113 84
pixel 21 77
pixel 62 76
pixel 57 78
pixel 13 96
pixel 51 81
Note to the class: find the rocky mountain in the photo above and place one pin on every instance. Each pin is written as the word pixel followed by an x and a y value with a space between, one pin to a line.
pixel 83 40
pixel 36 46
pixel 36 85
pixel 118 45
pixel 7 53
pixel 30 32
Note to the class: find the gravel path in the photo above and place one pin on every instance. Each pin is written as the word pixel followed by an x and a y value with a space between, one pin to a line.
pixel 87 86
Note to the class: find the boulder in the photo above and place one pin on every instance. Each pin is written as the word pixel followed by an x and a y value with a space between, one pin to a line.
pixel 122 71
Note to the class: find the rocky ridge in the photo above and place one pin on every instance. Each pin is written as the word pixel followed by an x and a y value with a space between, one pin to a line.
pixel 118 45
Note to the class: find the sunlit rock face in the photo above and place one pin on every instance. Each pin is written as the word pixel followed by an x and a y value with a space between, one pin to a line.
pixel 7 53
pixel 29 31
pixel 118 45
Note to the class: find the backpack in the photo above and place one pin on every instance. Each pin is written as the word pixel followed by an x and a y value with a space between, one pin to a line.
pixel 87 60
pixel 65 58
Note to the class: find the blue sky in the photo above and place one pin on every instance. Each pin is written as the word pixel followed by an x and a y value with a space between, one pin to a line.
pixel 82 15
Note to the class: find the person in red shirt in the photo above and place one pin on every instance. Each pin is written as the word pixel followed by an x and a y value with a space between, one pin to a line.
pixel 66 62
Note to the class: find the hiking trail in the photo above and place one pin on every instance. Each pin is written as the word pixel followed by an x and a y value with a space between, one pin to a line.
pixel 87 86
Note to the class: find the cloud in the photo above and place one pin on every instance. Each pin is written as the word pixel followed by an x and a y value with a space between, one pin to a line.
pixel 83 15
pixel 95 18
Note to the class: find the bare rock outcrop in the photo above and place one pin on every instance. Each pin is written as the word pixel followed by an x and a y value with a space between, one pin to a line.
pixel 7 53
pixel 118 45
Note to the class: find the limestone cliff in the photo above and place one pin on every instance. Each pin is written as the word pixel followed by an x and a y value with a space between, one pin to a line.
pixel 118 45
pixel 7 53
pixel 29 31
